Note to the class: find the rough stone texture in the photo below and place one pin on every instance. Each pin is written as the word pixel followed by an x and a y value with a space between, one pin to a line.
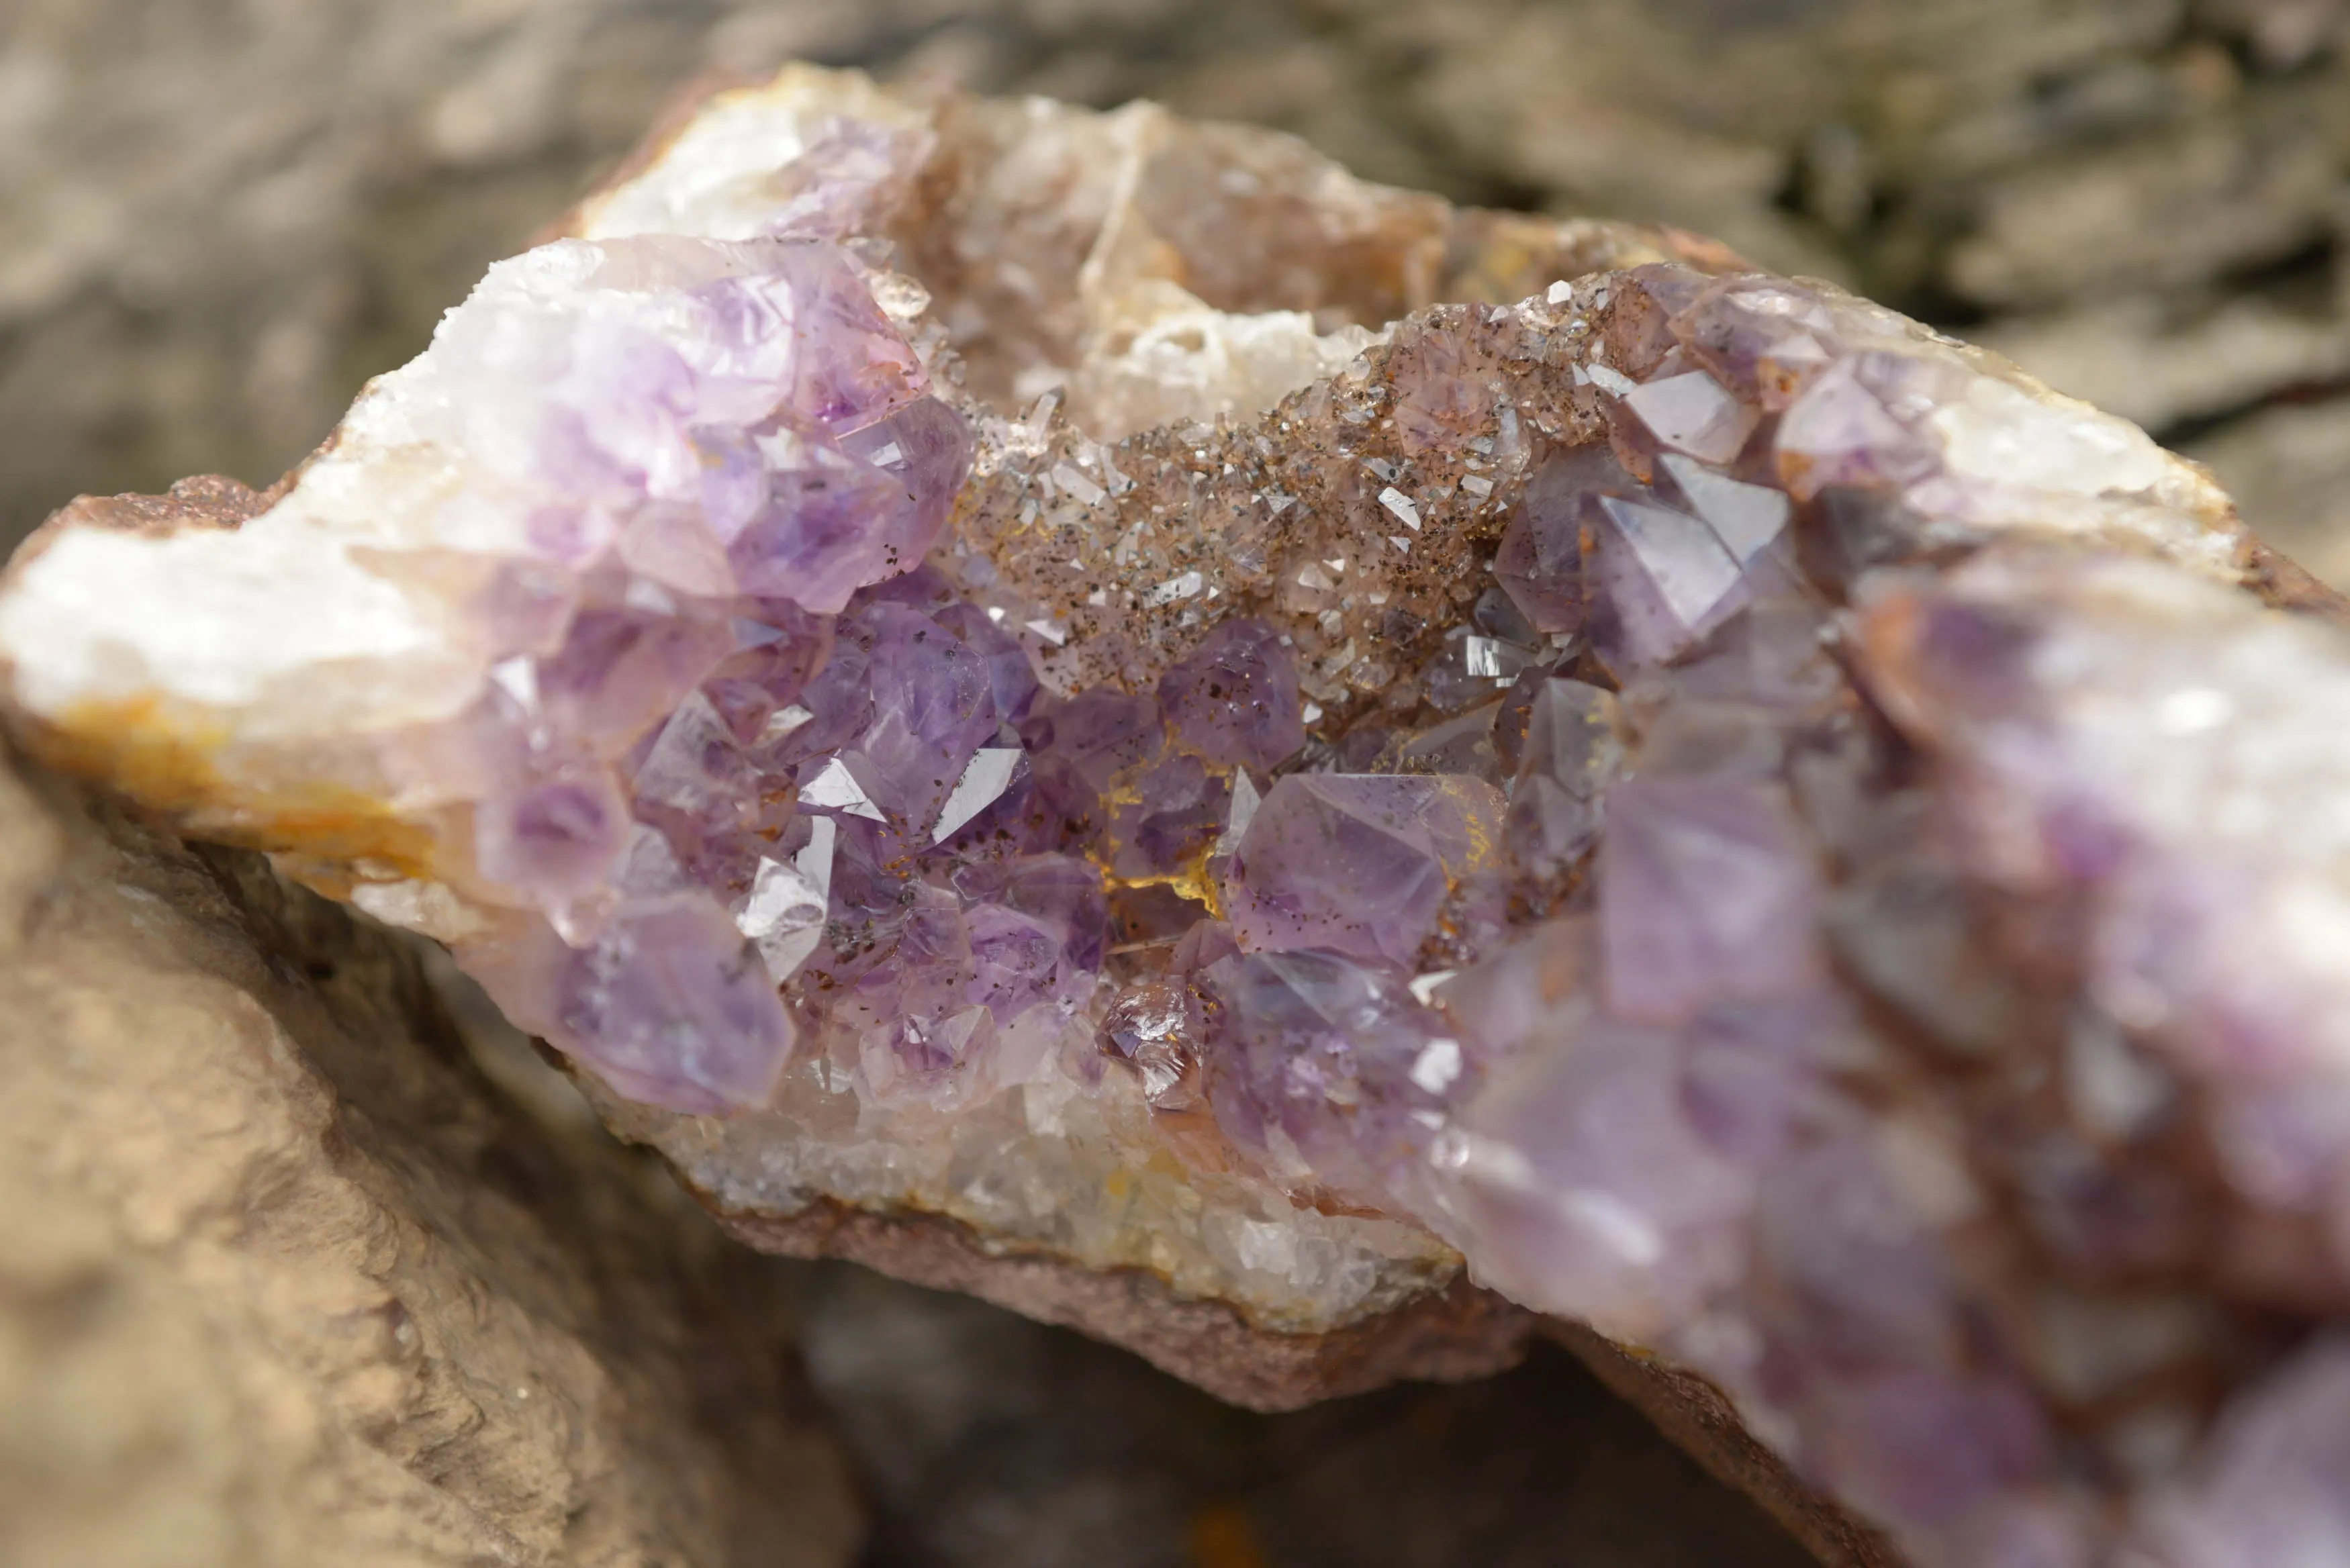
pixel 2292 465
pixel 1693 1413
pixel 993 1442
pixel 2141 200
pixel 1454 1335
pixel 285 1281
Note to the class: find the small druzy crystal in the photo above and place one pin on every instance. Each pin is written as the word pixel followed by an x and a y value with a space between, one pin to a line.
pixel 1095 680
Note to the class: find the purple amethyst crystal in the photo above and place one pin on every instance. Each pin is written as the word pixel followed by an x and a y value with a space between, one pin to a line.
pixel 1761 830
pixel 671 1003
pixel 1235 698
pixel 729 442
pixel 1666 577
pixel 563 836
pixel 1322 1059
pixel 1693 414
pixel 1358 863
pixel 1708 891
pixel 1572 751
pixel 1178 811
pixel 1540 561
pixel 1613 1196
pixel 1840 432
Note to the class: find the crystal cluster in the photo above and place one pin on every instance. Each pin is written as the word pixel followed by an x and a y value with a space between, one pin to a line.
pixel 1002 662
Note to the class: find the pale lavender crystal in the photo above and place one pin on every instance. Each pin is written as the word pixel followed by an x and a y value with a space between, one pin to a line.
pixel 621 669
pixel 926 1037
pixel 1102 733
pixel 1755 1073
pixel 1011 682
pixel 1921 1424
pixel 1763 336
pixel 829 710
pixel 1572 751
pixel 830 517
pixel 1840 432
pixel 1708 890
pixel 1666 577
pixel 851 370
pixel 1321 1057
pixel 1017 960
pixel 841 183
pixel 1665 567
pixel 779 647
pixel 996 782
pixel 1540 561
pixel 1747 518
pixel 2270 1494
pixel 694 766
pixel 1175 811
pixel 810 535
pixel 609 388
pixel 933 708
pixel 1649 301
pixel 1358 863
pixel 719 445
pixel 1775 656
pixel 672 1005
pixel 559 838
pixel 1613 1204
pixel 1502 1005
pixel 1691 413
pixel 1234 699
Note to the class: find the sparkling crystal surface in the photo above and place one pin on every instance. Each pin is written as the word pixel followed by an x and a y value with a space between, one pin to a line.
pixel 1058 672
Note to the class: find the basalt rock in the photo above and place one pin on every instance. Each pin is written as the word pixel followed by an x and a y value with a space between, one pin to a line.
pixel 1087 708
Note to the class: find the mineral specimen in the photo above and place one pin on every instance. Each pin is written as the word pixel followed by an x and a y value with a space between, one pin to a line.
pixel 1024 666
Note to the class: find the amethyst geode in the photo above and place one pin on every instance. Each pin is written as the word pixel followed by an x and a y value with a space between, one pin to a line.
pixel 997 662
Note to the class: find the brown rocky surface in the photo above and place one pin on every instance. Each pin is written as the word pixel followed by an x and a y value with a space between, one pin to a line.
pixel 1455 1334
pixel 283 1280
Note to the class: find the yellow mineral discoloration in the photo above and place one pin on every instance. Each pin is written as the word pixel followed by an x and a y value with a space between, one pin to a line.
pixel 1484 842
pixel 165 758
pixel 1191 881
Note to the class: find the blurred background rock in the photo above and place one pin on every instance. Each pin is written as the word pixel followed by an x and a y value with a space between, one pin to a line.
pixel 989 1441
pixel 218 217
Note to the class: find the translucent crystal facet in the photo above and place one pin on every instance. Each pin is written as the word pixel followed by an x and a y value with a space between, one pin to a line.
pixel 1358 863
pixel 1005 664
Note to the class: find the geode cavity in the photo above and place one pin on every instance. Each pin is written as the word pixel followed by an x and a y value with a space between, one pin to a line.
pixel 997 667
